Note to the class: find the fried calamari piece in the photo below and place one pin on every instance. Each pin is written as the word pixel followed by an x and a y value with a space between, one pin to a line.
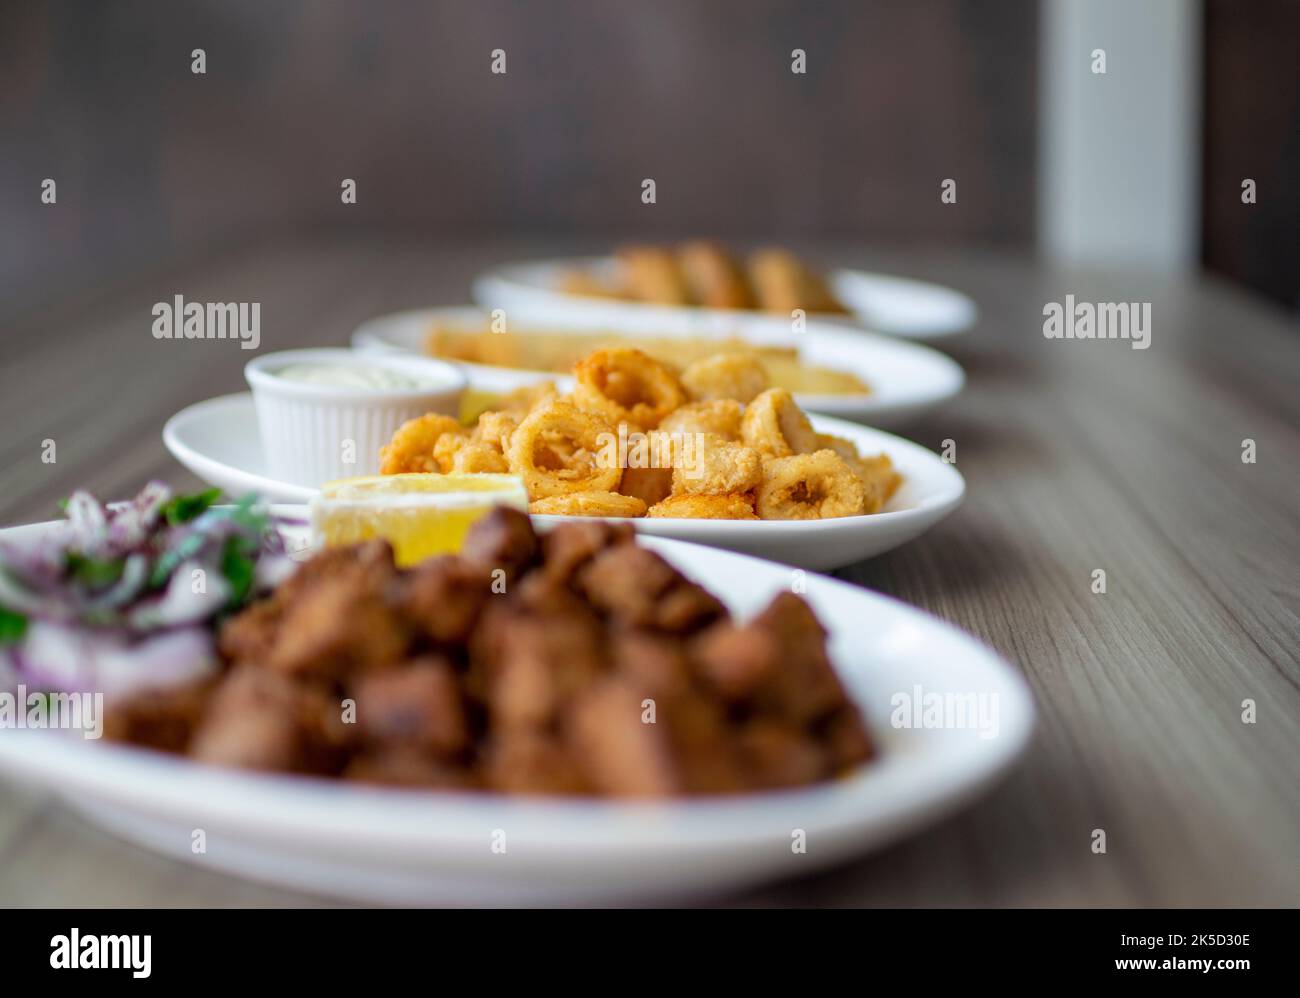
pixel 738 376
pixel 559 448
pixel 651 274
pixel 589 504
pixel 722 507
pixel 879 480
pixel 782 283
pixel 774 424
pixel 412 447
pixel 465 455
pixel 720 417
pixel 627 386
pixel 816 486
pixel 586 284
pixel 503 539
pixel 650 485
pixel 717 467
pixel 419 706
pixel 520 401
pixel 713 276
pixel 495 428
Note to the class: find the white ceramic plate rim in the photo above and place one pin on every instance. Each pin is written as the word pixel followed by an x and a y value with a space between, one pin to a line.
pixel 530 287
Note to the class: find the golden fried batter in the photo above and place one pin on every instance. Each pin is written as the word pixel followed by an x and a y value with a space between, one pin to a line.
pixel 589 504
pixel 651 274
pixel 412 446
pixel 739 376
pixel 774 424
pixel 782 284
pixel 815 486
pixel 729 507
pixel 712 275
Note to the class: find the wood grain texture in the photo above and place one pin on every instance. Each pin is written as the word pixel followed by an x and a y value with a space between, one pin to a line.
pixel 1078 455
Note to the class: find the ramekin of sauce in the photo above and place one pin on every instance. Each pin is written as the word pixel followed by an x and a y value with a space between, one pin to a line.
pixel 324 414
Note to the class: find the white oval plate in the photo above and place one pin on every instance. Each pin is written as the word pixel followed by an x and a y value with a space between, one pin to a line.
pixel 906 379
pixel 412 847
pixel 899 306
pixel 219 442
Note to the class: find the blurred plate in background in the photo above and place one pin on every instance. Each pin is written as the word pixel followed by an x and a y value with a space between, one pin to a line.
pixel 882 303
pixel 905 379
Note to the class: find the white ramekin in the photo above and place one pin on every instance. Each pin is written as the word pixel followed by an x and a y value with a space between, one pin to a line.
pixel 309 430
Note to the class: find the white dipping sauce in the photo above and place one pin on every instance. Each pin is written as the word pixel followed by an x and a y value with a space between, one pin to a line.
pixel 349 376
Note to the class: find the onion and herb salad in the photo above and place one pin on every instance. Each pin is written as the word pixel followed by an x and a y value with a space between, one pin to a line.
pixel 127 596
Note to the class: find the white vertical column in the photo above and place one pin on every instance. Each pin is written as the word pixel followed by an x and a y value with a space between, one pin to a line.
pixel 1119 154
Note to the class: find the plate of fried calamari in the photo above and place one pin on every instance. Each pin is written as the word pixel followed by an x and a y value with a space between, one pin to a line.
pixel 850 374
pixel 713 455
pixel 555 713
pixel 700 286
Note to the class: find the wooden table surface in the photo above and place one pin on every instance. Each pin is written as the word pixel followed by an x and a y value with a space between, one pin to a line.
pixel 1079 455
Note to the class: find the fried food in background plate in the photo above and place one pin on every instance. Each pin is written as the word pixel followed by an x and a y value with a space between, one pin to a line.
pixel 705 273
pixel 538 689
pixel 555 352
pixel 638 438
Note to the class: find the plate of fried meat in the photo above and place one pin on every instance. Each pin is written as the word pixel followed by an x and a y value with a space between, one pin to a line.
pixel 571 714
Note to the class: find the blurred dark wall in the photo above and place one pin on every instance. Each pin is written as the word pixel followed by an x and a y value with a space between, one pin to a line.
pixel 153 162
pixel 1252 130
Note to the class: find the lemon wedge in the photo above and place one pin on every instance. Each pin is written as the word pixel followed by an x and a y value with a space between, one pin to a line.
pixel 420 515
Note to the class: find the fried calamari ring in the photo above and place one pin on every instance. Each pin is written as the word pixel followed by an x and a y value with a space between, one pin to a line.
pixel 476 459
pixel 627 386
pixel 731 507
pixel 782 283
pixel 412 447
pixel 650 485
pixel 817 486
pixel 720 417
pixel 739 376
pixel 650 273
pixel 559 449
pixel 879 479
pixel 589 504
pixel 524 399
pixel 494 429
pixel 709 465
pixel 712 275
pixel 773 424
